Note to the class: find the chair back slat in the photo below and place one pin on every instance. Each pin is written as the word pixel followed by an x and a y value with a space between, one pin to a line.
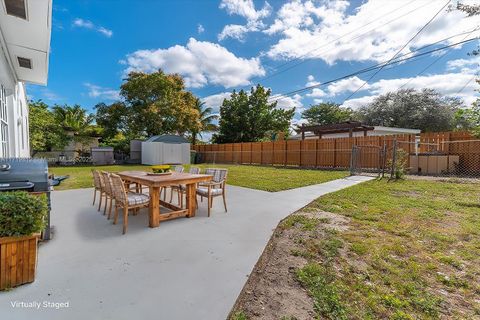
pixel 194 170
pixel 118 188
pixel 219 175
pixel 107 182
pixel 102 181
pixel 96 179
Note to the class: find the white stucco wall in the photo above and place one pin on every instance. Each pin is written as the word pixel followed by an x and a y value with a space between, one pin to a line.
pixel 17 136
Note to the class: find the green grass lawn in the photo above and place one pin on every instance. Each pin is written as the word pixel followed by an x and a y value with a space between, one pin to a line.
pixel 255 177
pixel 412 251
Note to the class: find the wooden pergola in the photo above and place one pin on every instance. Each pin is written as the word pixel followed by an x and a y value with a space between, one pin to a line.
pixel 348 126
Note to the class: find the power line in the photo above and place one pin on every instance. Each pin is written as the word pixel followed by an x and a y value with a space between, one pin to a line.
pixel 435 61
pixel 401 49
pixel 333 41
pixel 371 68
pixel 467 83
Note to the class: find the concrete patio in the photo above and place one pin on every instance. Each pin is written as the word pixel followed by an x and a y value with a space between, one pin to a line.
pixel 185 269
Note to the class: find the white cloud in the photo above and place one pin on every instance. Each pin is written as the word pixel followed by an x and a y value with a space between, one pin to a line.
pixel 246 9
pixel 87 24
pixel 288 103
pixel 311 81
pixel 200 28
pixel 199 62
pixel 234 31
pixel 95 91
pixel 466 65
pixel 346 85
pixel 375 30
pixel 448 84
pixel 106 32
pixel 317 93
pixel 215 101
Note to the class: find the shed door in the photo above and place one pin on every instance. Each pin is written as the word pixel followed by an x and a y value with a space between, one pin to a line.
pixel 172 153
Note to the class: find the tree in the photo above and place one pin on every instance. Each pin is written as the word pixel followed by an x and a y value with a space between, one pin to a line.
pixel 469 118
pixel 327 113
pixel 427 110
pixel 206 120
pixel 250 117
pixel 74 119
pixel 76 122
pixel 45 133
pixel 113 118
pixel 158 103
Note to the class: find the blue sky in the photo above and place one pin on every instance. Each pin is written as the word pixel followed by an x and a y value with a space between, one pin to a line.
pixel 223 45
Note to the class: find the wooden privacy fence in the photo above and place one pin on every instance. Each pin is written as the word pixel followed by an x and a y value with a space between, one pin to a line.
pixel 336 153
pixel 318 153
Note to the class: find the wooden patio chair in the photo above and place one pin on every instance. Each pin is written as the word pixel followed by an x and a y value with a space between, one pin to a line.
pixel 109 196
pixel 126 200
pixel 96 185
pixel 102 189
pixel 214 188
pixel 181 189
pixel 178 169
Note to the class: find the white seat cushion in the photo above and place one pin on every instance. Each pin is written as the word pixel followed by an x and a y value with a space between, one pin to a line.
pixel 137 198
pixel 203 191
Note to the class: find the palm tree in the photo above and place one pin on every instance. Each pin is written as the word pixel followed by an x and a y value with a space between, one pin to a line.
pixel 73 119
pixel 206 120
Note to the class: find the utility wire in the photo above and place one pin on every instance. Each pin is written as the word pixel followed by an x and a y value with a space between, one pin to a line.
pixel 280 71
pixel 435 61
pixel 467 83
pixel 399 51
pixel 371 68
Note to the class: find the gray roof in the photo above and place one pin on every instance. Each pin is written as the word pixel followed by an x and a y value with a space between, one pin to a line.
pixel 167 138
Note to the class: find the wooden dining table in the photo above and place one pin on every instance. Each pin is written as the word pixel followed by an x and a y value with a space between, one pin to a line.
pixel 156 182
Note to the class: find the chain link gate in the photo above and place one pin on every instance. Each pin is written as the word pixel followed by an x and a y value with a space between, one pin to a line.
pixel 371 160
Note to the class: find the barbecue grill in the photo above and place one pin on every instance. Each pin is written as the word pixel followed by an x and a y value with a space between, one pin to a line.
pixel 29 175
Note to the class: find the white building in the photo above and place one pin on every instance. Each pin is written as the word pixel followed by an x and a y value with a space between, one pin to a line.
pixel 377 131
pixel 25 28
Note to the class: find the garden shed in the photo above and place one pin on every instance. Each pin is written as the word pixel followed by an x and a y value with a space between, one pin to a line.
pixel 166 149
pixel 102 155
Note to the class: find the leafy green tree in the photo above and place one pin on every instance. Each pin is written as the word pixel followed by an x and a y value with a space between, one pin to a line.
pixel 327 113
pixel 158 103
pixel 77 123
pixel 113 118
pixel 45 133
pixel 427 110
pixel 206 120
pixel 73 118
pixel 469 118
pixel 250 117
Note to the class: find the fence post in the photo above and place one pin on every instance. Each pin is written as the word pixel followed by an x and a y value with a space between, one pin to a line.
pixel 261 153
pixel 316 152
pixel 334 153
pixel 352 161
pixel 394 159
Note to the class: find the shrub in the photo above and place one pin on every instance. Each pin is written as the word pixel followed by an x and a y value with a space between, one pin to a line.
pixel 21 214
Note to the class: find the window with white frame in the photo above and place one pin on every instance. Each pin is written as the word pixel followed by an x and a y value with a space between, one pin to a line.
pixel 4 150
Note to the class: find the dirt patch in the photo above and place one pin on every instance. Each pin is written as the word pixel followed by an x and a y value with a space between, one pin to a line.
pixel 272 290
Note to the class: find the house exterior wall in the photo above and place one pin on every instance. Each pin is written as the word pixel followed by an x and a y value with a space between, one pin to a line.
pixel 14 134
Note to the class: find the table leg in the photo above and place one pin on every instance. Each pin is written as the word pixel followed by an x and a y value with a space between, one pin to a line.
pixel 190 195
pixel 154 210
